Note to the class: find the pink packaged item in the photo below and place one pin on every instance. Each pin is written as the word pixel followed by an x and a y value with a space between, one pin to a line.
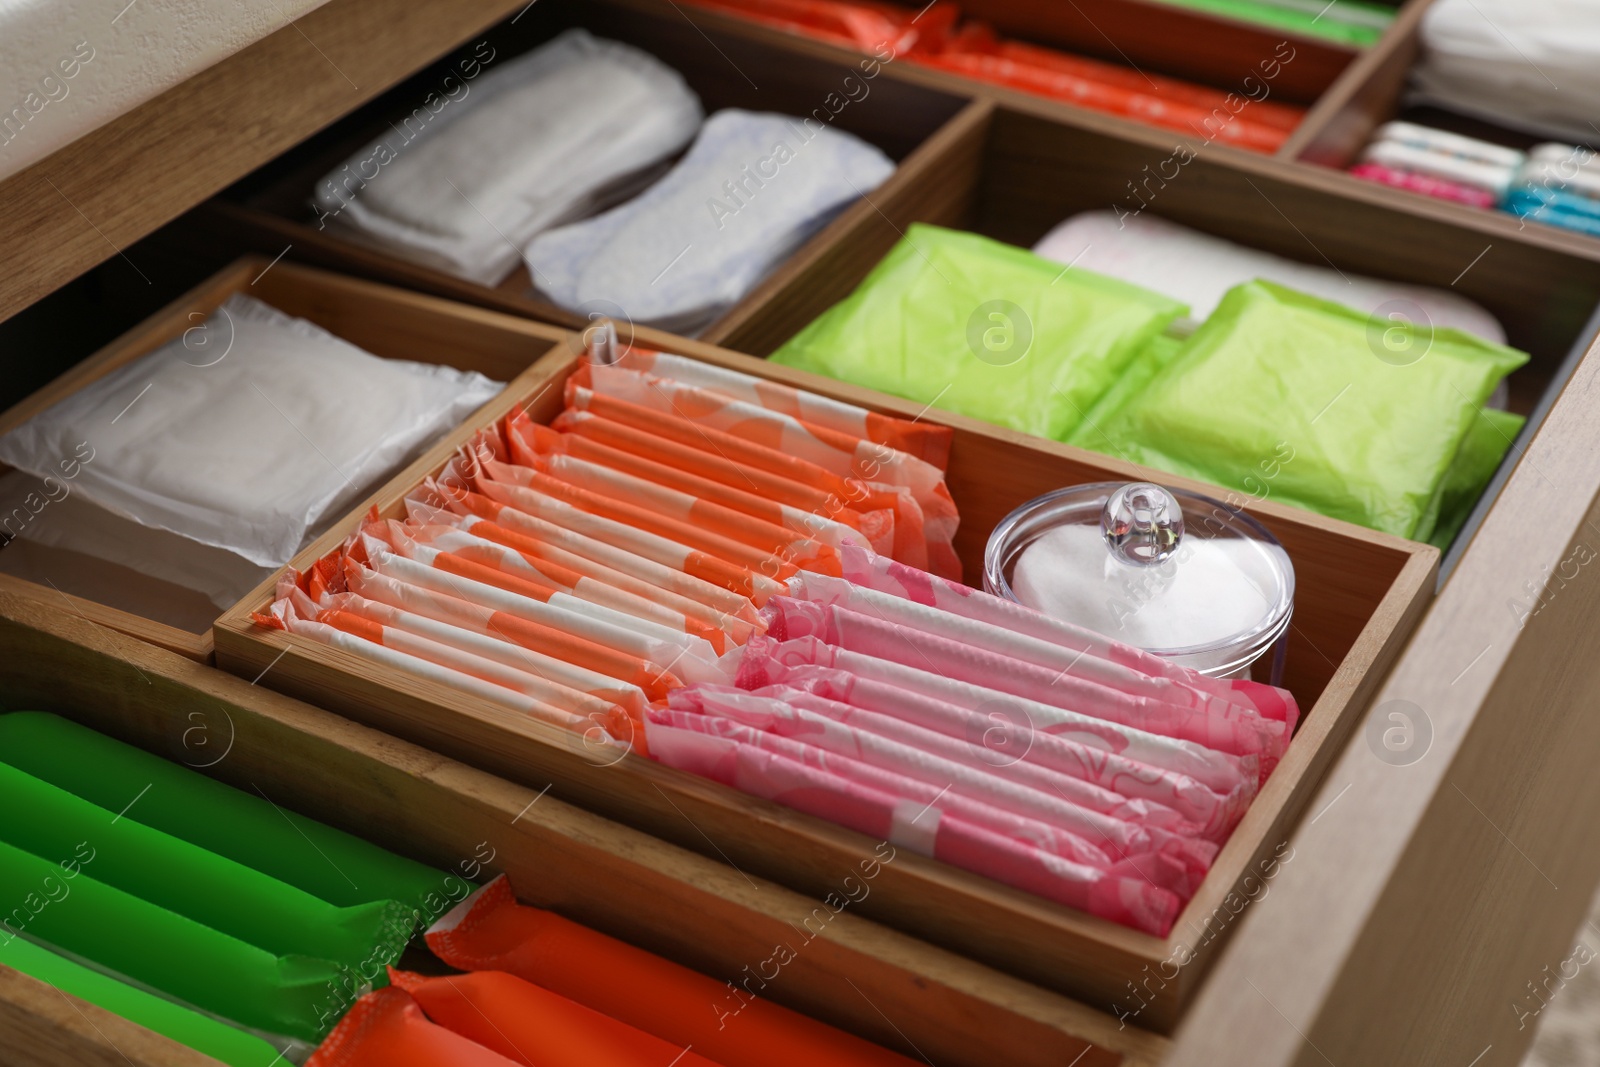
pixel 1246 734
pixel 1172 871
pixel 871 571
pixel 920 439
pixel 1113 838
pixel 905 690
pixel 1115 786
pixel 1426 184
pixel 921 828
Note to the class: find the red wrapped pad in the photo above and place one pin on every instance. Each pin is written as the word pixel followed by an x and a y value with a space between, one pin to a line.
pixel 386 1028
pixel 1203 113
pixel 535 1027
pixel 731 1025
pixel 886 30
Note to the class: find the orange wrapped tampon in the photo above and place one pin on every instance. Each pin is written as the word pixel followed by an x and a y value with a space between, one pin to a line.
pixel 491 931
pixel 926 441
pixel 758 586
pixel 535 1027
pixel 912 542
pixel 658 572
pixel 386 1028
pixel 877 526
pixel 529 442
pixel 738 628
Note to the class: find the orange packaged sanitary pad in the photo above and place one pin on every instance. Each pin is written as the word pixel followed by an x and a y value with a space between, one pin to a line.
pixel 730 1025
pixel 386 1028
pixel 532 1026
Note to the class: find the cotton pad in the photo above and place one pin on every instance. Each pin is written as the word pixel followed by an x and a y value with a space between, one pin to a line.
pixel 249 450
pixel 1199 269
pixel 752 189
pixel 534 142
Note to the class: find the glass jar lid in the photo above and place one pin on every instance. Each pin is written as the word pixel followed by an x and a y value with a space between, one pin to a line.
pixel 1175 573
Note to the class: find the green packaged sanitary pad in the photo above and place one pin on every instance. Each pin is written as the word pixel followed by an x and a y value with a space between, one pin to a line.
pixel 1485 446
pixel 248 828
pixel 985 329
pixel 1355 418
pixel 184 1025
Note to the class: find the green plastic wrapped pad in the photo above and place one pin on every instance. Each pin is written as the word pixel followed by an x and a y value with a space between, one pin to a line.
pixel 1479 456
pixel 183 1025
pixel 191 881
pixel 1286 392
pixel 58 902
pixel 1347 22
pixel 247 828
pixel 984 329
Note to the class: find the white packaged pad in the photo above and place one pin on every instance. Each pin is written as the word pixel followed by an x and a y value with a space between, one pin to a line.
pixel 1199 269
pixel 538 141
pixel 752 190
pixel 1529 66
pixel 248 441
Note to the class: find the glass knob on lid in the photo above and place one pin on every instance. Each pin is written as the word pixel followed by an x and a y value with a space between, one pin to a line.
pixel 1142 524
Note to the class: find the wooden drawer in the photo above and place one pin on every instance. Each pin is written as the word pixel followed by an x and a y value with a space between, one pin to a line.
pixel 885 986
pixel 1358 594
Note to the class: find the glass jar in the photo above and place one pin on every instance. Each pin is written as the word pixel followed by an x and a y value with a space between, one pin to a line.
pixel 1178 574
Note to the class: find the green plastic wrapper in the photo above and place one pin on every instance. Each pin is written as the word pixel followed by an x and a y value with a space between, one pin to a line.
pixel 984 329
pixel 58 902
pixel 200 885
pixel 247 828
pixel 1283 395
pixel 1349 22
pixel 1479 456
pixel 183 1025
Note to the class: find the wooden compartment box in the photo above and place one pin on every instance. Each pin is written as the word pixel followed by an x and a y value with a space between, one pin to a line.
pixel 270 210
pixel 1013 176
pixel 1371 93
pixel 884 986
pixel 1359 593
pixel 169 615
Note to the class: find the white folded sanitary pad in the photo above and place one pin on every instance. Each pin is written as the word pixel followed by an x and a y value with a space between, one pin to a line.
pixel 752 190
pixel 1530 66
pixel 245 433
pixel 1199 269
pixel 463 183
